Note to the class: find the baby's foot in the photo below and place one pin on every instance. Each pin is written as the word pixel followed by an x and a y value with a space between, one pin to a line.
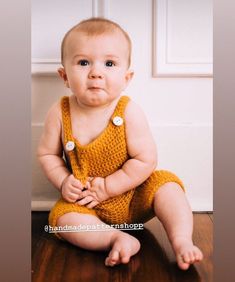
pixel 123 247
pixel 186 253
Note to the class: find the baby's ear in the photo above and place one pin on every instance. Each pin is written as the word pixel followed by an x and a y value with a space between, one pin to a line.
pixel 63 75
pixel 129 75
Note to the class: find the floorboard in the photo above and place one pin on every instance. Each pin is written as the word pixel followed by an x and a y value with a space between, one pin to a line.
pixel 211 216
pixel 55 260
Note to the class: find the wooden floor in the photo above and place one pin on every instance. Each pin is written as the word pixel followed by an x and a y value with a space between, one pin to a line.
pixel 54 260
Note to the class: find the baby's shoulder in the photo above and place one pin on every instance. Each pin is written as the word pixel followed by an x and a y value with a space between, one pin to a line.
pixel 135 120
pixel 54 115
pixel 133 111
pixel 55 109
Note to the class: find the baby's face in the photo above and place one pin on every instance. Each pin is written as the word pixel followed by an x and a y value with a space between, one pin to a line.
pixel 96 67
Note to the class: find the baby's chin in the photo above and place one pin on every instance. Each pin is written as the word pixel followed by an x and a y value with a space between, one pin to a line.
pixel 100 100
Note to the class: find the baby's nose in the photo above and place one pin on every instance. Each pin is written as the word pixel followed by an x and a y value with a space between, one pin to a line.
pixel 95 72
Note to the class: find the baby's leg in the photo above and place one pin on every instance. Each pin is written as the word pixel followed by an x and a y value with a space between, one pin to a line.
pixel 122 245
pixel 173 210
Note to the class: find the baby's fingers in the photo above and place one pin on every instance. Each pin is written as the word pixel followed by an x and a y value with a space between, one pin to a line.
pixel 85 201
pixel 70 197
pixel 88 185
pixel 84 194
pixel 92 204
pixel 77 184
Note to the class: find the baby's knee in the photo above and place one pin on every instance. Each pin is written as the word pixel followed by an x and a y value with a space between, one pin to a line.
pixel 168 189
pixel 170 186
pixel 66 218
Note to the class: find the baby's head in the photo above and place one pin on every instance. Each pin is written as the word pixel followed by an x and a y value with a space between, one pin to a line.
pixel 94 27
pixel 96 56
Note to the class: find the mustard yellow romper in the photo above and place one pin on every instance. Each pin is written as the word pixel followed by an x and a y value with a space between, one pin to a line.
pixel 102 157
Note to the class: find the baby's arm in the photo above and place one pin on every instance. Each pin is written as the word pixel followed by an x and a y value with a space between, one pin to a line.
pixel 142 150
pixel 50 155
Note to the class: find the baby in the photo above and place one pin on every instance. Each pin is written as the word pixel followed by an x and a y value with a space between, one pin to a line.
pixel 98 151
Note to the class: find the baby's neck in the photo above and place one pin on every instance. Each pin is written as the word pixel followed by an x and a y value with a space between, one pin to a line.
pixel 91 110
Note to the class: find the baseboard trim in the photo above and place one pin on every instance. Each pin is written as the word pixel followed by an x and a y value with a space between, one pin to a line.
pixel 42 205
pixel 47 206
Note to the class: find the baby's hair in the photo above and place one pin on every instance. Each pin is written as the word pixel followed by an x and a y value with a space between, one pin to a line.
pixel 96 26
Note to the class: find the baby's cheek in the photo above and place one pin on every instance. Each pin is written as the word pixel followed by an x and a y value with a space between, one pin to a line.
pixel 119 86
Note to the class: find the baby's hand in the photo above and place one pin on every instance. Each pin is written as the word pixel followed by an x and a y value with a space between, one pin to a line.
pixel 71 188
pixel 96 193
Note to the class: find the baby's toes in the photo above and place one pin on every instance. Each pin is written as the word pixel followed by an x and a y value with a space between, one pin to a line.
pixel 198 255
pixel 182 263
pixel 191 256
pixel 113 258
pixel 187 257
pixel 124 257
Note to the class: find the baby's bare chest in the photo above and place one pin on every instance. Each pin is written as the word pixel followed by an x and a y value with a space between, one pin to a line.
pixel 87 130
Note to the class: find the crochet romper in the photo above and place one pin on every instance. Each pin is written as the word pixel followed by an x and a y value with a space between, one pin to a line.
pixel 102 157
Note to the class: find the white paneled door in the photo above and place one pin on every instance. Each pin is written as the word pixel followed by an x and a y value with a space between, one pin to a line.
pixel 172 61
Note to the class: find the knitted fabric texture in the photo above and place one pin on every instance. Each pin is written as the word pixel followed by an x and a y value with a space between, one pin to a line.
pixel 102 157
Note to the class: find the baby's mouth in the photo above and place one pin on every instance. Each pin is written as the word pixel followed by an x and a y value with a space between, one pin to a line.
pixel 95 88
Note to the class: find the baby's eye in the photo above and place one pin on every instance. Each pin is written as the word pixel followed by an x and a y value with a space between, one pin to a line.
pixel 109 64
pixel 83 63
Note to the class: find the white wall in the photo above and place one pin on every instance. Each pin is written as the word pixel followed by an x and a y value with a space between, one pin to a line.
pixel 178 103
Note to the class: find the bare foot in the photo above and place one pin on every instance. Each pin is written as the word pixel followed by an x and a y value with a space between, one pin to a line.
pixel 123 247
pixel 186 253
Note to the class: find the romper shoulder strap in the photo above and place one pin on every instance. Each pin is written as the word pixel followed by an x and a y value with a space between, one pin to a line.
pixel 67 127
pixel 66 119
pixel 121 106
